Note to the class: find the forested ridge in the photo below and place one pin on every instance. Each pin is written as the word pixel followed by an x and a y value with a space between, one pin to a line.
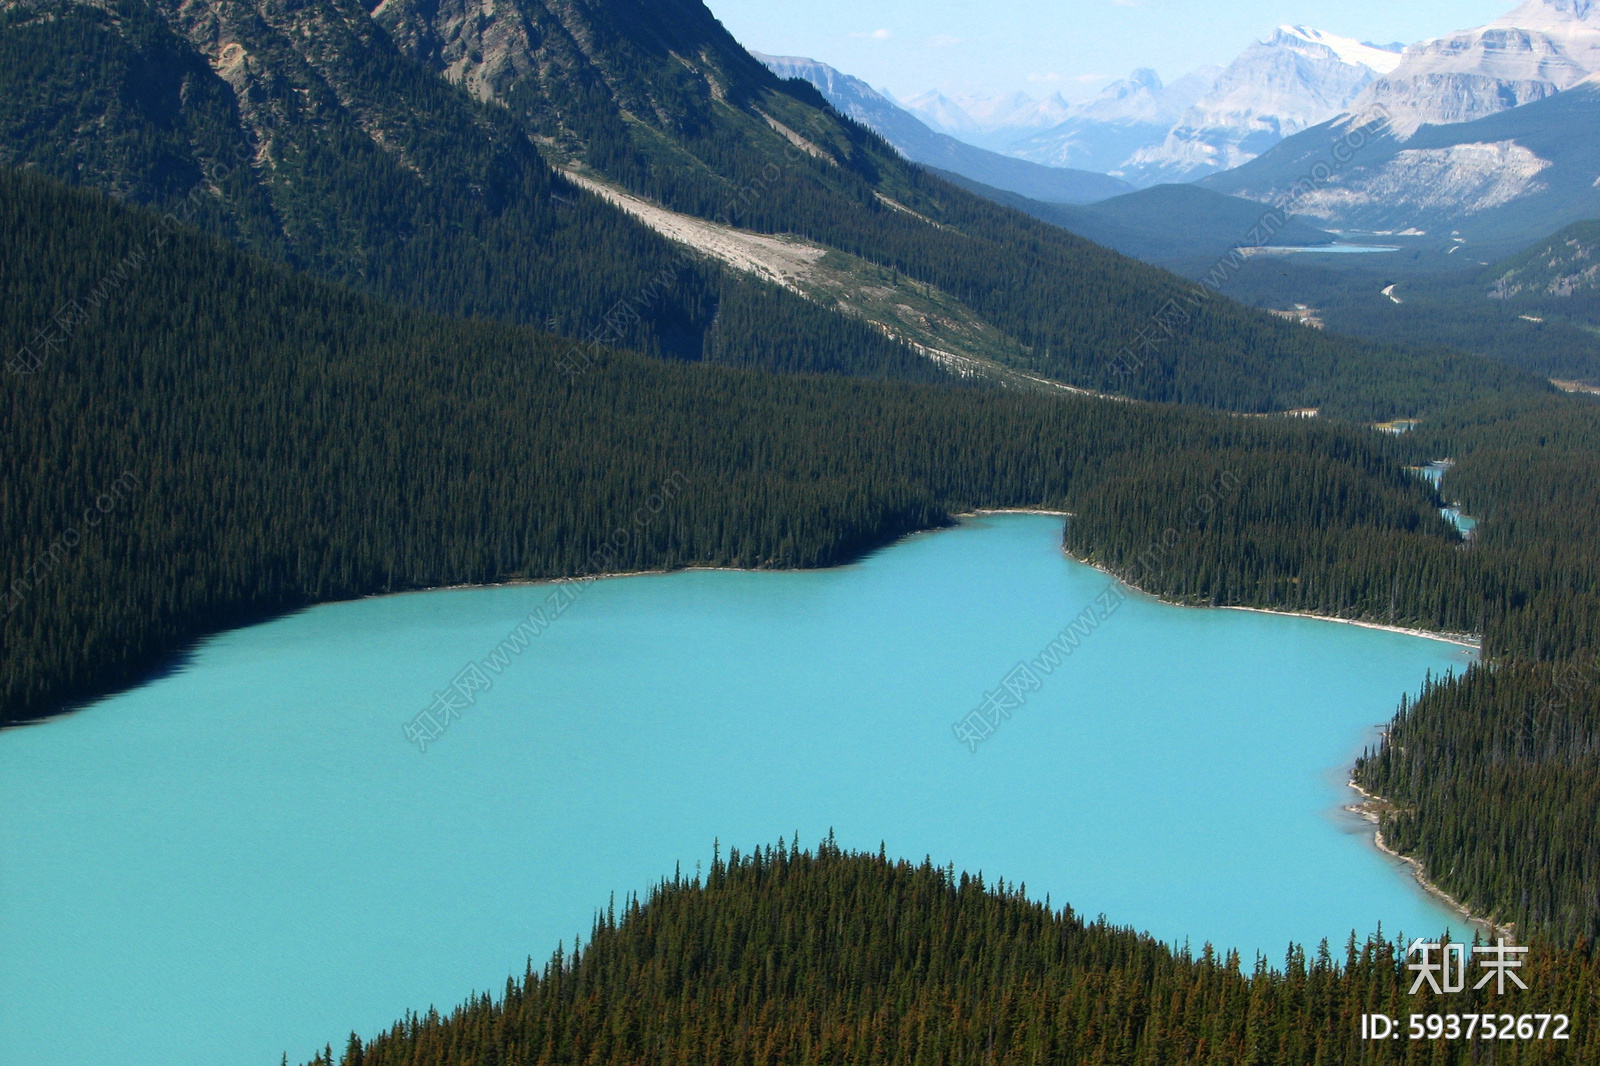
pixel 1494 785
pixel 380 176
pixel 277 442
pixel 1495 777
pixel 784 956
pixel 1553 336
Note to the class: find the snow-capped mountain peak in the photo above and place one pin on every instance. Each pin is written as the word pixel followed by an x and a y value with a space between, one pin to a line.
pixel 1350 50
pixel 1541 48
pixel 1294 79
pixel 1551 15
pixel 1130 114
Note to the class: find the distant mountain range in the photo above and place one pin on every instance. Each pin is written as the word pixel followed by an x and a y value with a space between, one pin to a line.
pixel 1482 189
pixel 855 98
pixel 1129 115
pixel 1450 159
pixel 989 121
pixel 1536 51
pixel 1294 79
pixel 1147 132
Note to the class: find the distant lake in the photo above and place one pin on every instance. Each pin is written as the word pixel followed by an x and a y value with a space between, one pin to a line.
pixel 247 857
pixel 1324 249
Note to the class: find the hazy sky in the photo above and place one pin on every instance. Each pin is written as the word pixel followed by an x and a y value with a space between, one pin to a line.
pixel 1075 46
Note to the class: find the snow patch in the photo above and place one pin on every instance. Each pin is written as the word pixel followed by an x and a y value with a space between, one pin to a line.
pixel 1348 49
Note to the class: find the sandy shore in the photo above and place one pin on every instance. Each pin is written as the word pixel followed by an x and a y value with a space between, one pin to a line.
pixel 1368 809
pixel 1465 640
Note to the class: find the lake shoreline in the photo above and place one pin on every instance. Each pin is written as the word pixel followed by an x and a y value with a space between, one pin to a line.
pixel 1370 806
pixel 1369 810
pixel 522 582
pixel 1465 640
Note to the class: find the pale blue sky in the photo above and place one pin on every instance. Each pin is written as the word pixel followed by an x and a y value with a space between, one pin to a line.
pixel 1075 46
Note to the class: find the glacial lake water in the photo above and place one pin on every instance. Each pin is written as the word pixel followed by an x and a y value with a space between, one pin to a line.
pixel 246 857
pixel 1324 249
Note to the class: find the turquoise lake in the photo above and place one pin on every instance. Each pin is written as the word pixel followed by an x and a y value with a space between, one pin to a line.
pixel 248 852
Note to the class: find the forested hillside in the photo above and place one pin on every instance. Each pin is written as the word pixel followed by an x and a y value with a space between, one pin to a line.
pixel 782 956
pixel 275 442
pixel 1529 581
pixel 358 165
pixel 1495 784
pixel 318 137
pixel 1547 334
pixel 1496 777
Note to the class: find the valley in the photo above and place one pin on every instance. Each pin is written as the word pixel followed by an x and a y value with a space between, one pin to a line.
pixel 469 466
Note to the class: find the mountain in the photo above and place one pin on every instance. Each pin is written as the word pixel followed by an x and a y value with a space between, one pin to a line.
pixel 624 172
pixel 1563 269
pixel 1131 114
pixel 1479 189
pixel 855 98
pixel 1295 79
pixel 304 135
pixel 658 104
pixel 1168 225
pixel 992 122
pixel 1541 48
pixel 890 962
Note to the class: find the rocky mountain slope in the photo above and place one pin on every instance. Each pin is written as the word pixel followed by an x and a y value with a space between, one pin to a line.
pixel 415 151
pixel 1295 79
pixel 1563 268
pixel 1485 188
pixel 1534 52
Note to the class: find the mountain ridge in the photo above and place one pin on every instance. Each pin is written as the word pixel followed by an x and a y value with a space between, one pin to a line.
pixel 1292 80
pixel 1491 186
pixel 1129 114
pixel 917 142
pixel 1540 48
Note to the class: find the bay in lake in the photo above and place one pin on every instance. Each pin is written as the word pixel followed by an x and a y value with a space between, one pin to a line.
pixel 248 854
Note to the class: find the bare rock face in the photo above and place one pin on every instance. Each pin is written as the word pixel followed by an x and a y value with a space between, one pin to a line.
pixel 660 61
pixel 1538 50
pixel 481 45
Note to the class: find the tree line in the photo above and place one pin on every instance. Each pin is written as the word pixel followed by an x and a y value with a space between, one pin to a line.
pixel 789 956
